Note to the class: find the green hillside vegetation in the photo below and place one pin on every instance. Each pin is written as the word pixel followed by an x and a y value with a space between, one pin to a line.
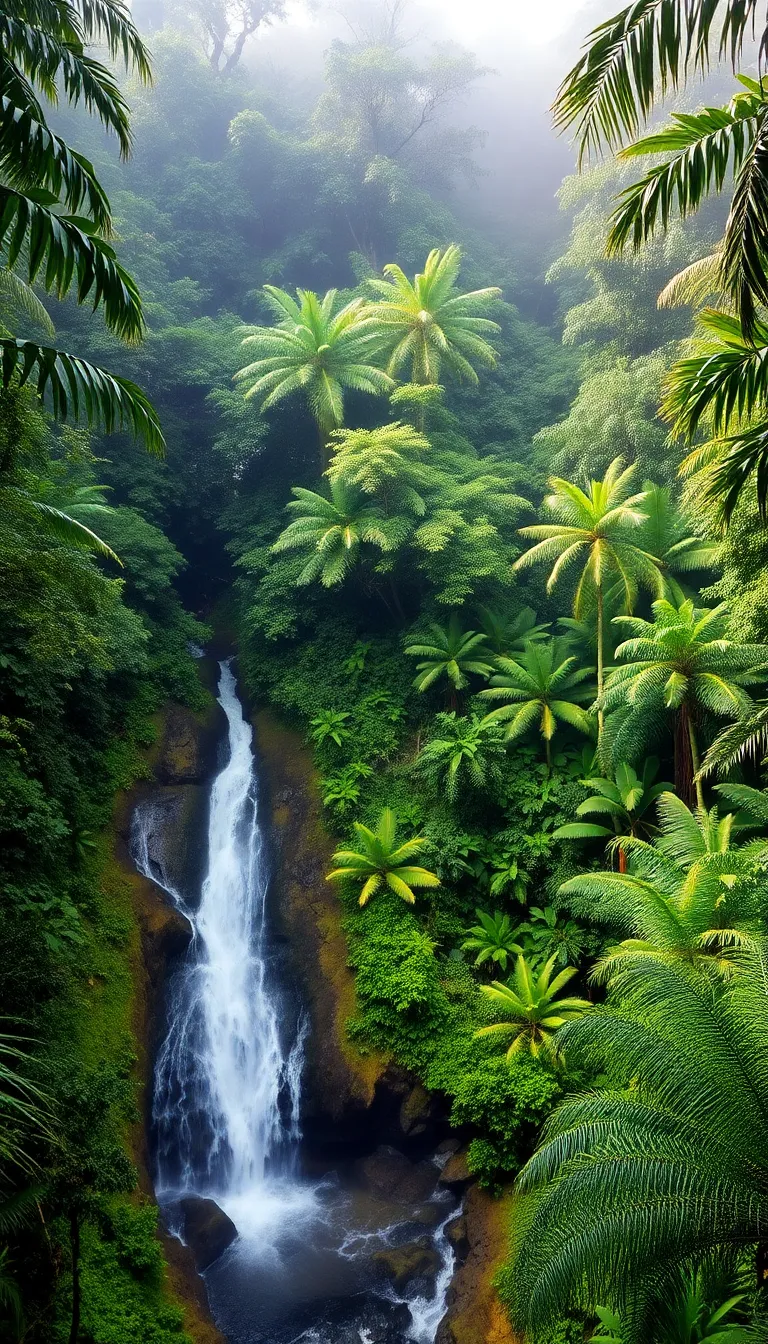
pixel 510 581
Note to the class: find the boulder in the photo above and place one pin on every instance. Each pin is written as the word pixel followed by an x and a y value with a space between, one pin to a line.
pixel 456 1174
pixel 206 1229
pixel 416 1112
pixel 403 1264
pixel 457 1235
pixel 389 1175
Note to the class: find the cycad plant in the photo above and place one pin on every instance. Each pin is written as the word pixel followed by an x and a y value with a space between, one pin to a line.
pixel 508 635
pixel 530 1008
pixel 429 325
pixel 625 801
pixel 493 939
pixel 689 895
pixel 451 654
pixel 318 348
pixel 542 687
pixel 682 662
pixel 637 1181
pixel 463 752
pixel 381 862
pixel 598 531
pixel 334 532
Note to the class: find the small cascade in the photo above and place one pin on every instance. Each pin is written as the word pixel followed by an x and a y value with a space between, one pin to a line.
pixel 226 1105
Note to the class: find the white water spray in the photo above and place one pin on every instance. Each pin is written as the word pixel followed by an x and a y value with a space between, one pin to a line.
pixel 227 1083
pixel 226 1094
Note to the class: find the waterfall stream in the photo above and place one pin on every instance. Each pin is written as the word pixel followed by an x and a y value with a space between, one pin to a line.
pixel 226 1107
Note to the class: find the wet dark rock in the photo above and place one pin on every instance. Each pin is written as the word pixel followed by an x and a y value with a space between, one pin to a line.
pixel 189 745
pixel 381 1325
pixel 457 1234
pixel 206 1229
pixel 404 1264
pixel 456 1174
pixel 389 1175
pixel 417 1112
pixel 447 1148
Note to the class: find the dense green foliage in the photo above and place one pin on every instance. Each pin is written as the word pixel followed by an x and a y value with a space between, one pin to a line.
pixel 483 601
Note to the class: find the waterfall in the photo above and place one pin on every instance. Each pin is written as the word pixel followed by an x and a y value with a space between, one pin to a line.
pixel 226 1104
pixel 226 1091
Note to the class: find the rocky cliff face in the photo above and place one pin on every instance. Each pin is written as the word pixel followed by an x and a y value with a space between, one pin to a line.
pixel 351 1102
pixel 182 764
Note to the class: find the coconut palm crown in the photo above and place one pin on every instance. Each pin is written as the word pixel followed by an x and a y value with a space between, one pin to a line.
pixel 594 528
pixel 380 861
pixel 429 324
pixel 316 347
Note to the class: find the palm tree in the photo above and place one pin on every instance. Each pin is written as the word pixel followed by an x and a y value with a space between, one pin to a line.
pixel 596 530
pixel 667 537
pixel 380 861
pixel 625 800
pixel 530 1008
pixel 509 634
pixel 493 939
pixel 689 893
pixel 54 214
pixel 464 752
pixel 645 50
pixel 542 685
pixel 642 1178
pixel 386 462
pixel 682 661
pixel 452 654
pixel 703 1304
pixel 317 348
pixel 334 531
pixel 429 324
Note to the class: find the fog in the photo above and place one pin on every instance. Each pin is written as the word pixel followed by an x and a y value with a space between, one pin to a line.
pixel 528 47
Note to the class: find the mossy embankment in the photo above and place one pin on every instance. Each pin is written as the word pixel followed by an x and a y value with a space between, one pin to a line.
pixel 339 1079
pixel 178 769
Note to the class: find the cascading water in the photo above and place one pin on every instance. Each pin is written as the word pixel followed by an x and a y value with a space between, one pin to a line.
pixel 226 1103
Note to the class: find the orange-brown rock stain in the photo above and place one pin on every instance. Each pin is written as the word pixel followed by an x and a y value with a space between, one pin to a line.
pixel 154 924
pixel 309 911
pixel 476 1316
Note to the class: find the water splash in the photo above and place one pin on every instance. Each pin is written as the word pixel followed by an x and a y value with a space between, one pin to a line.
pixel 227 1093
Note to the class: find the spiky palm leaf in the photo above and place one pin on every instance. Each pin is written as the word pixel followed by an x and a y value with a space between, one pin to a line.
pixel 509 634
pixel 316 348
pixel 703 151
pixel 639 1180
pixel 381 862
pixel 530 1007
pixel 624 801
pixel 449 652
pixel 682 661
pixel 542 686
pixel 595 529
pixel 493 938
pixel 647 48
pixel 745 739
pixel 334 530
pixel 464 751
pixel 690 893
pixel 78 389
pixel 427 323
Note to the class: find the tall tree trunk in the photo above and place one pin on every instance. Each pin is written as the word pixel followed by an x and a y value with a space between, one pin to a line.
pixel 696 762
pixel 74 1239
pixel 622 860
pixel 548 754
pixel 687 760
pixel 600 669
